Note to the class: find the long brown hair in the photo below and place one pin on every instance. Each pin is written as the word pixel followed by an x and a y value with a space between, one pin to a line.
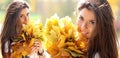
pixel 105 41
pixel 12 24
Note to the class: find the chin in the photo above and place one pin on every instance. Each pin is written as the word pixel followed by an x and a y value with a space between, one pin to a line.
pixel 87 37
pixel 25 23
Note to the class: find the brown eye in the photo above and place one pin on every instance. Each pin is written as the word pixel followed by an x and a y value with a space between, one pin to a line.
pixel 21 16
pixel 92 22
pixel 27 14
pixel 81 18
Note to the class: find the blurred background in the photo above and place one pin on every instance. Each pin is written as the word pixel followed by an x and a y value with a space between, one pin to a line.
pixel 43 9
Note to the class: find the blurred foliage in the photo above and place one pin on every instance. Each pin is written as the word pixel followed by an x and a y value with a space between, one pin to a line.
pixel 42 9
pixel 115 8
pixel 47 8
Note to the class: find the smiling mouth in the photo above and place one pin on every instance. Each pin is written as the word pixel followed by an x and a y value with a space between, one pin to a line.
pixel 84 34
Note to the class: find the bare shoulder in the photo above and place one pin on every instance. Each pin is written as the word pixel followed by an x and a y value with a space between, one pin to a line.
pixel 97 55
pixel 47 55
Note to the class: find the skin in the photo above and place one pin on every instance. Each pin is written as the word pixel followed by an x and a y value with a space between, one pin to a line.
pixel 37 46
pixel 86 23
pixel 24 16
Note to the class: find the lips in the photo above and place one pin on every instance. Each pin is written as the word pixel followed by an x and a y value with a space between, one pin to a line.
pixel 84 34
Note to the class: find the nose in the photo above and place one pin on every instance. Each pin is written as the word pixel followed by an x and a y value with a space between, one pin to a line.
pixel 26 19
pixel 83 26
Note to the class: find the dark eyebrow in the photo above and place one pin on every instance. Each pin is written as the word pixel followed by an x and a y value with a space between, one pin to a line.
pixel 93 20
pixel 20 14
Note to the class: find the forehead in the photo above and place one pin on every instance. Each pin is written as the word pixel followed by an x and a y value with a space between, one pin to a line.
pixel 86 14
pixel 24 10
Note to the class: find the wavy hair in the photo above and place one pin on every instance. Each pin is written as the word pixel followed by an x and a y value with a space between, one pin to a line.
pixel 12 24
pixel 105 41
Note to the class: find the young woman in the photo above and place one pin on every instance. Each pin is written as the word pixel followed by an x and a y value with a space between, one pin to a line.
pixel 96 23
pixel 16 15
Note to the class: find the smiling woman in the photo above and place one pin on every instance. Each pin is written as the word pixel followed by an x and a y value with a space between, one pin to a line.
pixel 24 16
pixel 96 23
pixel 86 22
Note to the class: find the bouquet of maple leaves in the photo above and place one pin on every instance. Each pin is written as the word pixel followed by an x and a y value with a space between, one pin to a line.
pixel 62 38
pixel 60 35
pixel 21 45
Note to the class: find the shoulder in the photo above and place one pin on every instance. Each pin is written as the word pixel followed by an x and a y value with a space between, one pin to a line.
pixel 97 55
pixel 46 54
pixel 6 47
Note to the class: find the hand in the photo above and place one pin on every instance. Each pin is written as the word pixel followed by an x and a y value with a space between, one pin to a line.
pixel 36 47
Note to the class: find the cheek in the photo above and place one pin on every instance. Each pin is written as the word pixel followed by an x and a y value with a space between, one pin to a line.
pixel 27 19
pixel 24 21
pixel 92 32
pixel 78 26
pixel 21 20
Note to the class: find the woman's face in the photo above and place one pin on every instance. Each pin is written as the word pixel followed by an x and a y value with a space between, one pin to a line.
pixel 86 23
pixel 24 15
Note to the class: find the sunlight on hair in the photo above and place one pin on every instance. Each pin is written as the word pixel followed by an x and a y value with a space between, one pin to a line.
pixel 82 1
pixel 18 0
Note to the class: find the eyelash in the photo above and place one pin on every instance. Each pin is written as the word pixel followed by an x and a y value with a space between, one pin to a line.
pixel 21 16
pixel 80 18
pixel 92 22
pixel 27 14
